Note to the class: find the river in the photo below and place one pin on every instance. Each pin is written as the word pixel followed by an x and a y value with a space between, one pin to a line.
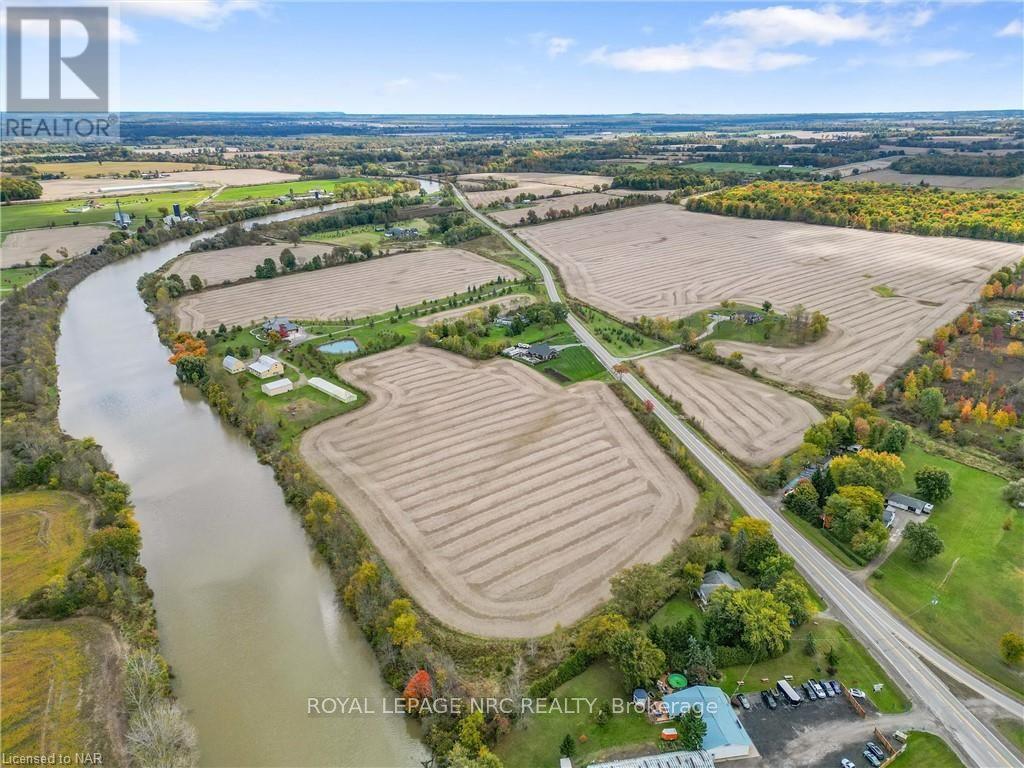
pixel 247 614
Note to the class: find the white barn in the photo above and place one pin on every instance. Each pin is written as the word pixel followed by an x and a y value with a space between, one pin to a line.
pixel 277 387
pixel 233 364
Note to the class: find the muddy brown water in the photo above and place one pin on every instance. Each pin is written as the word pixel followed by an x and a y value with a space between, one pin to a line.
pixel 247 614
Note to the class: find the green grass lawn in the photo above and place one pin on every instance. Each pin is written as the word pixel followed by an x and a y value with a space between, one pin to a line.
pixel 678 608
pixel 978 579
pixel 53 213
pixel 537 744
pixel 741 167
pixel 574 364
pixel 279 188
pixel 616 337
pixel 353 237
pixel 925 750
pixel 16 277
pixel 1013 731
pixel 301 408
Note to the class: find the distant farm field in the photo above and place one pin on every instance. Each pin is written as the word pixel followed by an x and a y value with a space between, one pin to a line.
pixel 267 191
pixel 663 260
pixel 55 213
pixel 502 501
pixel 27 246
pixel 539 184
pixel 541 207
pixel 61 189
pixel 886 176
pixel 753 421
pixel 230 264
pixel 117 167
pixel 711 165
pixel 351 290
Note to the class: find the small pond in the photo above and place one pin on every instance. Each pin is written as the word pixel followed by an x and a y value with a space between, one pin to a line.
pixel 340 347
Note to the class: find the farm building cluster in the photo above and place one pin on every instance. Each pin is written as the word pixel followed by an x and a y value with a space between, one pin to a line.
pixel 531 354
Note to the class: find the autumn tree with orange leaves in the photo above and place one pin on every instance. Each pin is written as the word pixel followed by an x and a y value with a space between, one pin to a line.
pixel 419 687
pixel 186 345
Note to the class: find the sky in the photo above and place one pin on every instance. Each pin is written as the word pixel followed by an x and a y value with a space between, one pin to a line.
pixel 571 57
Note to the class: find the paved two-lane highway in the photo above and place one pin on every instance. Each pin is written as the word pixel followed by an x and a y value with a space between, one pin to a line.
pixel 886 635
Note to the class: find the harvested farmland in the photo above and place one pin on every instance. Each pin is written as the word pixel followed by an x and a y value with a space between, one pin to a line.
pixel 59 189
pixel 662 260
pixel 351 290
pixel 502 501
pixel 541 207
pixel 230 264
pixel 753 421
pixel 539 184
pixel 26 247
pixel 936 180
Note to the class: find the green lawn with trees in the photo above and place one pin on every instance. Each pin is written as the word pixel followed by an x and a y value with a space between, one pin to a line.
pixel 282 188
pixel 537 742
pixel 353 237
pixel 978 578
pixel 54 213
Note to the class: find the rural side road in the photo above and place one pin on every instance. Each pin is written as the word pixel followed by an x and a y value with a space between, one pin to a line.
pixel 897 646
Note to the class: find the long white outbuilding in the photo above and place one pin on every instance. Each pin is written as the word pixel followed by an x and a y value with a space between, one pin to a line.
pixel 338 393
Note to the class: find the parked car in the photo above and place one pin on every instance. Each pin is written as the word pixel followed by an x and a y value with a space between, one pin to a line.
pixel 877 750
pixel 858 693
pixel 836 686
pixel 849 763
pixel 818 689
pixel 744 701
pixel 870 757
pixel 769 699
pixel 809 692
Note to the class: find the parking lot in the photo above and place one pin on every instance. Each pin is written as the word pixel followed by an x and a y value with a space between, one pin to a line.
pixel 816 734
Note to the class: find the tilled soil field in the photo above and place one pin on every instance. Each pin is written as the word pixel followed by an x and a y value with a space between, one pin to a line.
pixel 230 264
pixel 28 245
pixel 351 290
pixel 502 501
pixel 541 207
pixel 664 260
pixel 753 421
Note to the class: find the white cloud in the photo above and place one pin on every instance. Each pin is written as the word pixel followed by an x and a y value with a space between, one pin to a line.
pixel 732 55
pixel 554 45
pixel 558 45
pixel 1014 29
pixel 921 17
pixel 782 25
pixel 398 83
pixel 937 57
pixel 205 14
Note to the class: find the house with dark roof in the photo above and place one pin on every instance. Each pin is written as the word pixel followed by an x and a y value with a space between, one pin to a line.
pixel 909 504
pixel 542 351
pixel 714 580
pixel 280 325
